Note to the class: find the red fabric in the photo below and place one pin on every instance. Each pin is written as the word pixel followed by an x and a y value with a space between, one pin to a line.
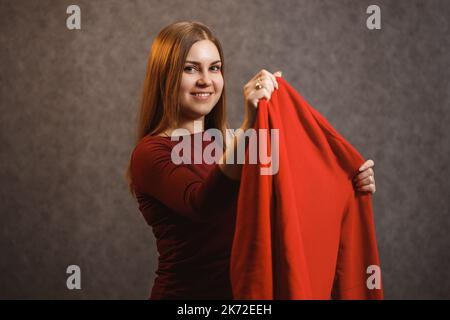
pixel 304 233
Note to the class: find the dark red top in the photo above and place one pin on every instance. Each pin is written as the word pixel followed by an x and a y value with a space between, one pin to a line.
pixel 191 209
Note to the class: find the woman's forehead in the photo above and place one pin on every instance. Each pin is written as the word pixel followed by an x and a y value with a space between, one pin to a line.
pixel 203 52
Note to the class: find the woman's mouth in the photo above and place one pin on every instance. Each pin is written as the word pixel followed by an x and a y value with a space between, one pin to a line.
pixel 202 95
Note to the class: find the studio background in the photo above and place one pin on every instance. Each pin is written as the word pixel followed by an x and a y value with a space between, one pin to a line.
pixel 69 100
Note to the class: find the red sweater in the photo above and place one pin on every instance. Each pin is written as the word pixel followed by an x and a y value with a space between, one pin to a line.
pixel 191 209
pixel 304 233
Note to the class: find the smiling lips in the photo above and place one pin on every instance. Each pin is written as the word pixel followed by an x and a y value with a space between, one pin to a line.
pixel 202 95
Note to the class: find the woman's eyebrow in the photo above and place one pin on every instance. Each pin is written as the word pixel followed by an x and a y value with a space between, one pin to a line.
pixel 198 63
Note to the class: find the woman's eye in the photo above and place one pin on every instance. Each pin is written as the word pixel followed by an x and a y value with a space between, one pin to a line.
pixel 189 68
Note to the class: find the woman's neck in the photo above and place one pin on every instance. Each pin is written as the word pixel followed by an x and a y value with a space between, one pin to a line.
pixel 193 126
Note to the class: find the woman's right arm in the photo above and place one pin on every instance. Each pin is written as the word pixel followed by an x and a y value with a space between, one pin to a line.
pixel 175 185
pixel 251 97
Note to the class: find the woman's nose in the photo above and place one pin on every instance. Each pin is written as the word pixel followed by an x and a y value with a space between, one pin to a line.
pixel 204 79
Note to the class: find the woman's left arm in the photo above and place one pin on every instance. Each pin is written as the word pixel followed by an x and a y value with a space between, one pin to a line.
pixel 365 180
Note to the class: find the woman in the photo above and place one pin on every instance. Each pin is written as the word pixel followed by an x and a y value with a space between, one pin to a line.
pixel 191 207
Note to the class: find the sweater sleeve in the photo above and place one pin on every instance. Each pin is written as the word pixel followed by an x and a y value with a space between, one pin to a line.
pixel 357 252
pixel 177 186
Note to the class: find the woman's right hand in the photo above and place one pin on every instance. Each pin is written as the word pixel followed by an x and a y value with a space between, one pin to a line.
pixel 260 86
pixel 252 93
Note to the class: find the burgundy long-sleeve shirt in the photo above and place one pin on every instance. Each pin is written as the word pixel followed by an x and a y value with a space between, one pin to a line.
pixel 191 209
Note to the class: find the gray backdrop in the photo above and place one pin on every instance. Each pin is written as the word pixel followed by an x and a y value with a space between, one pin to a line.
pixel 68 107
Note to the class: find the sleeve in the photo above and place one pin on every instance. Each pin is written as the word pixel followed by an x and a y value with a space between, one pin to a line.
pixel 177 186
pixel 357 252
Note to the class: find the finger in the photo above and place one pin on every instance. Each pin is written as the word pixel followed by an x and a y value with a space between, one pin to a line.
pixel 369 179
pixel 253 99
pixel 261 80
pixel 259 94
pixel 264 73
pixel 255 103
pixel 366 181
pixel 370 188
pixel 276 81
pixel 267 83
pixel 271 76
pixel 258 76
pixel 368 164
pixel 266 94
pixel 278 74
pixel 275 75
pixel 366 173
pixel 251 85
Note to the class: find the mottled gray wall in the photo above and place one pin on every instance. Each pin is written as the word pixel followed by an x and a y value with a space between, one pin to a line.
pixel 69 101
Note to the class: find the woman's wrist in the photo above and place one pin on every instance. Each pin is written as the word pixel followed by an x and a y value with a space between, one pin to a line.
pixel 250 116
pixel 233 170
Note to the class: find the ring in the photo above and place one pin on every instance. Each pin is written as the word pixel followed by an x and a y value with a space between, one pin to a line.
pixel 258 84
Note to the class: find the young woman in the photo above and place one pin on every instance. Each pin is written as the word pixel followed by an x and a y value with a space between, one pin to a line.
pixel 191 207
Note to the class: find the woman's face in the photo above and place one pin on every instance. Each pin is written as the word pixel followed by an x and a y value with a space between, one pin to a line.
pixel 202 81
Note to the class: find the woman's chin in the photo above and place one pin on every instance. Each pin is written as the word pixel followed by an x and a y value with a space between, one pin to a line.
pixel 199 111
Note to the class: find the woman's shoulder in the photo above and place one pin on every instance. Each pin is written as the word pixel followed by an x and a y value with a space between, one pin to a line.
pixel 149 157
pixel 156 139
pixel 151 146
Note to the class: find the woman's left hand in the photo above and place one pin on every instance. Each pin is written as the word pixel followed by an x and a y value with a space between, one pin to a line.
pixel 365 181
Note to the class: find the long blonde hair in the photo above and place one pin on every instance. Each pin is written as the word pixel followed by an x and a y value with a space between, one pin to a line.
pixel 160 102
